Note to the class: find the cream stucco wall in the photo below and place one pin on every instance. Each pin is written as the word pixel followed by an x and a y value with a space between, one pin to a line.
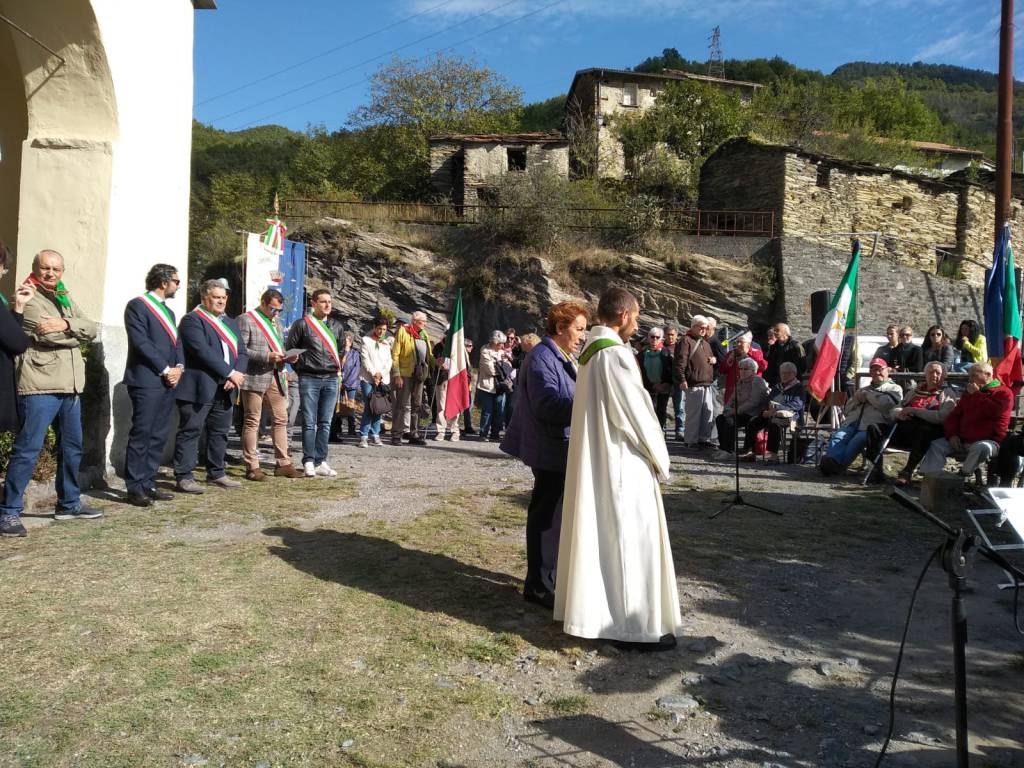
pixel 104 171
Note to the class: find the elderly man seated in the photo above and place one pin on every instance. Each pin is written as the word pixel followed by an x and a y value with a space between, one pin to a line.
pixel 975 427
pixel 869 405
pixel 741 350
pixel 751 398
pixel 916 422
pixel 785 408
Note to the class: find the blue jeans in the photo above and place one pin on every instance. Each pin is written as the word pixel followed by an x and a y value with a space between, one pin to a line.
pixel 492 408
pixel 845 443
pixel 36 413
pixel 370 424
pixel 677 407
pixel 318 395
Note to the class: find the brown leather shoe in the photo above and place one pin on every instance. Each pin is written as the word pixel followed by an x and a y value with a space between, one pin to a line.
pixel 256 475
pixel 287 471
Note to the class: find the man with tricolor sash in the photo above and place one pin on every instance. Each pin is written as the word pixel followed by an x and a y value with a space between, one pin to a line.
pixel 215 365
pixel 319 369
pixel 51 377
pixel 152 372
pixel 260 332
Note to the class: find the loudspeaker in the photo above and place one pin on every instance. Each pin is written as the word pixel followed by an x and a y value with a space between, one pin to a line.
pixel 819 308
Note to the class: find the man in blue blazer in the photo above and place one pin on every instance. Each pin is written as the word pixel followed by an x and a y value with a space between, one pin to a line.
pixel 215 364
pixel 154 368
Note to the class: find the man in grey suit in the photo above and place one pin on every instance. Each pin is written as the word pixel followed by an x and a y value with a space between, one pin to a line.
pixel 259 331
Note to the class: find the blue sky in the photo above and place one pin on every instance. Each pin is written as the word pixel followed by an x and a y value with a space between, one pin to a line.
pixel 539 44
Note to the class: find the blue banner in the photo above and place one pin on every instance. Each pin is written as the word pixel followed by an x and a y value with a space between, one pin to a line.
pixel 293 283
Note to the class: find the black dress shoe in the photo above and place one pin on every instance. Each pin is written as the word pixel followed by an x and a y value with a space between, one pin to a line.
pixel 540 597
pixel 139 499
pixel 665 643
pixel 158 495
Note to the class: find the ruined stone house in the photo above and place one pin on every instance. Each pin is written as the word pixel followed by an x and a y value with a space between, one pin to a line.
pixel 939 226
pixel 596 95
pixel 463 167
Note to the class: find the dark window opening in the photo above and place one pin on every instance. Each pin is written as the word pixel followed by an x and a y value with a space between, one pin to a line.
pixel 948 262
pixel 824 174
pixel 516 159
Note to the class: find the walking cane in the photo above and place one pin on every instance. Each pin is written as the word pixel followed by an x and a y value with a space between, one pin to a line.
pixel 430 409
pixel 881 453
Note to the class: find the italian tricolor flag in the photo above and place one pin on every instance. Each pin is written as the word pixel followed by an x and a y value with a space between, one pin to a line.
pixel 841 317
pixel 1002 315
pixel 456 398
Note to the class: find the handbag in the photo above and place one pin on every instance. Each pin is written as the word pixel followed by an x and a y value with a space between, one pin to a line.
pixel 345 406
pixel 381 400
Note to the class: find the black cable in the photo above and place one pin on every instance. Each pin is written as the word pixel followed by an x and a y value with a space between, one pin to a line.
pixel 899 656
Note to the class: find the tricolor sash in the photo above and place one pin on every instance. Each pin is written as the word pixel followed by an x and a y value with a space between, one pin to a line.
pixel 596 347
pixel 225 333
pixel 270 333
pixel 319 327
pixel 161 313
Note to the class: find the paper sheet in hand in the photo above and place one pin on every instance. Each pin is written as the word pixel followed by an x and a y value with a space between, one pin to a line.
pixel 1011 503
pixel 293 352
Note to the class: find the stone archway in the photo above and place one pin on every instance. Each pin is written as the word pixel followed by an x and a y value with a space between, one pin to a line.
pixel 68 126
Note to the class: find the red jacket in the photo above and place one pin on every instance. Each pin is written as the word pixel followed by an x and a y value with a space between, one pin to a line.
pixel 984 415
pixel 730 371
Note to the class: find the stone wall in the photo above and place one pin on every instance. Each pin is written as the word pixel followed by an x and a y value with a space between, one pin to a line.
pixel 888 292
pixel 443 162
pixel 483 162
pixel 822 197
pixel 976 225
pixel 742 177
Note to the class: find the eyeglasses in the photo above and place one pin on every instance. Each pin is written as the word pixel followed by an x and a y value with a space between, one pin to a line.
pixel 652 336
pixel 934 333
pixel 906 335
pixel 175 280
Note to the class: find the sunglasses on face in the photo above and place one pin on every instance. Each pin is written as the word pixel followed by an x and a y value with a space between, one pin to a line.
pixel 906 335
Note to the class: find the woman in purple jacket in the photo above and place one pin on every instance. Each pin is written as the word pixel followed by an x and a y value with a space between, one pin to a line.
pixel 539 431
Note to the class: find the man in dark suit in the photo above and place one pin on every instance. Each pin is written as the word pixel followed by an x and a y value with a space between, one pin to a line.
pixel 215 364
pixel 154 368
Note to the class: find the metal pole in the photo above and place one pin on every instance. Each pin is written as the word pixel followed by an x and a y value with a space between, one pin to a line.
pixel 1004 126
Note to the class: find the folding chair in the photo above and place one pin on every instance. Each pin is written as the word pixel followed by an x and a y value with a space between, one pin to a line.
pixel 869 464
pixel 832 410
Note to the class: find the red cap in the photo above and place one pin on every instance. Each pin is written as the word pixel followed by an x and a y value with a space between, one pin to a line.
pixel 879 363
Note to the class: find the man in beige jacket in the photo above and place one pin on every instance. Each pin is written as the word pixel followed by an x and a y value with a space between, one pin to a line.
pixel 51 376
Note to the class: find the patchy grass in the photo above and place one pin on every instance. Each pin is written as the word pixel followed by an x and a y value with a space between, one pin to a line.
pixel 566 706
pixel 222 629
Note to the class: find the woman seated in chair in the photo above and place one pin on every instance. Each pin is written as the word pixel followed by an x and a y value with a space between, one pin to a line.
pixel 751 398
pixel 869 405
pixel 916 421
pixel 785 408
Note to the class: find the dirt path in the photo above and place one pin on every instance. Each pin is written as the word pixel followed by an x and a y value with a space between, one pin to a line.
pixel 792 627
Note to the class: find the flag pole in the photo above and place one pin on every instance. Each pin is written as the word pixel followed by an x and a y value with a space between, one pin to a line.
pixel 1004 125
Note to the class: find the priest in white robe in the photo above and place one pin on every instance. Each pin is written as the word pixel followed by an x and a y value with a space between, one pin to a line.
pixel 616 580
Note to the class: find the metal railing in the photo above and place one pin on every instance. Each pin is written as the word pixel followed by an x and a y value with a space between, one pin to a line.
pixel 682 220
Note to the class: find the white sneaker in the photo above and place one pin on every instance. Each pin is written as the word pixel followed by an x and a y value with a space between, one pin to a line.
pixel 455 437
pixel 439 437
pixel 377 440
pixel 324 470
pixel 308 469
pixel 364 442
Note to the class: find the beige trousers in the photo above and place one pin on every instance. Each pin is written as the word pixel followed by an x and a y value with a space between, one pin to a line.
pixel 253 402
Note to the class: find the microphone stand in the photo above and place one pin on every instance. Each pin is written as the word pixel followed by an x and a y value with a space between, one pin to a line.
pixel 955 562
pixel 736 500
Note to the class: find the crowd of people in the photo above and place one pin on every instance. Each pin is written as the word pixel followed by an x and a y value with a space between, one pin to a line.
pixel 581 448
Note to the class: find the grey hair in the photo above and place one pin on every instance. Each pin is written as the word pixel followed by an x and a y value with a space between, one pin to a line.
pixel 941 366
pixel 417 315
pixel 711 320
pixel 698 320
pixel 497 337
pixel 983 366
pixel 748 336
pixel 46 251
pixel 656 330
pixel 751 363
pixel 209 285
pixel 788 366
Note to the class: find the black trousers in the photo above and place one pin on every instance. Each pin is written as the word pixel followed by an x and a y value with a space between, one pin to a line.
pixel 216 416
pixel 547 492
pixel 1010 450
pixel 728 427
pixel 660 402
pixel 912 435
pixel 754 426
pixel 151 420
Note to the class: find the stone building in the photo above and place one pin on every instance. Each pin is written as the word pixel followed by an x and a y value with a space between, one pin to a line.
pixel 598 94
pixel 937 225
pixel 463 165
pixel 95 147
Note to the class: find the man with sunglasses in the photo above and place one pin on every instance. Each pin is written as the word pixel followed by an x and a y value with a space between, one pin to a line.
pixel 656 372
pixel 260 332
pixel 152 371
pixel 907 357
